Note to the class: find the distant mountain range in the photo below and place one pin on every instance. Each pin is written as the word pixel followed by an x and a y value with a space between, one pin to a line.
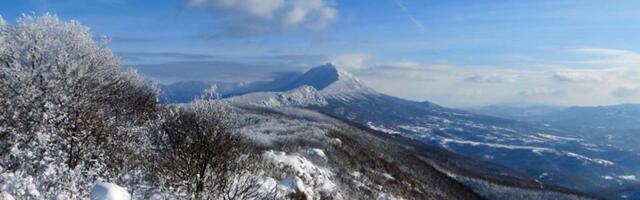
pixel 622 116
pixel 515 111
pixel 186 91
pixel 546 152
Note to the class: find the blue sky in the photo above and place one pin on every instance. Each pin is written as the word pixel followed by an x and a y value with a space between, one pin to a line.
pixel 455 53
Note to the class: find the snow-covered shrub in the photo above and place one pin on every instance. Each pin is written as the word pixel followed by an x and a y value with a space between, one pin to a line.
pixel 67 106
pixel 197 156
pixel 19 184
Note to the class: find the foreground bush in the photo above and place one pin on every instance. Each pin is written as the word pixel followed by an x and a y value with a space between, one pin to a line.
pixel 196 153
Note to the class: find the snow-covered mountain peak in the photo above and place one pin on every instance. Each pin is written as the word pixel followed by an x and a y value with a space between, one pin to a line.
pixel 313 88
pixel 330 70
pixel 318 77
pixel 342 73
pixel 331 80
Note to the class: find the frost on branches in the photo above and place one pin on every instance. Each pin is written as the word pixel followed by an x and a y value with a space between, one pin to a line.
pixel 72 118
pixel 69 111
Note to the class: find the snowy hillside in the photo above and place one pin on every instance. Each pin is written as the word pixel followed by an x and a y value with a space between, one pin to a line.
pixel 551 155
pixel 349 162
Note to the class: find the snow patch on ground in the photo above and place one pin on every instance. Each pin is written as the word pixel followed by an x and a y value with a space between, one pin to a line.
pixel 543 175
pixel 381 128
pixel 388 176
pixel 538 150
pixel 6 196
pixel 628 177
pixel 307 177
pixel 534 149
pixel 289 182
pixel 558 138
pixel 317 155
pixel 416 129
pixel 386 196
pixel 109 191
pixel 595 160
pixel 336 141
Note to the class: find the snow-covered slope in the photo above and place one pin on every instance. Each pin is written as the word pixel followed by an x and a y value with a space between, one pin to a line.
pixel 323 156
pixel 551 155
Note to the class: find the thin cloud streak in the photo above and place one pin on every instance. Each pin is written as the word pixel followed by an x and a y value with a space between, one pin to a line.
pixel 405 10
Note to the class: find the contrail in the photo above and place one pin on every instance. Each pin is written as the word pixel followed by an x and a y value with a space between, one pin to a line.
pixel 405 10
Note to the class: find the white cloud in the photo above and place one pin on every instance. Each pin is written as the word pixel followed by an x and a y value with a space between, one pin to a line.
pixel 626 91
pixel 251 17
pixel 579 76
pixel 405 65
pixel 412 66
pixel 258 8
pixel 538 92
pixel 349 61
pixel 601 57
pixel 603 51
pixel 579 82
pixel 491 78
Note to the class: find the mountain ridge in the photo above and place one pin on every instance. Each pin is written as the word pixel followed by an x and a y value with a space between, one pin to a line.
pixel 550 155
pixel 327 79
pixel 617 116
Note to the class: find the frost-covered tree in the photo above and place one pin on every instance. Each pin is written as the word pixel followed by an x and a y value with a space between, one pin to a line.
pixel 195 152
pixel 67 104
pixel 71 116
pixel 211 93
